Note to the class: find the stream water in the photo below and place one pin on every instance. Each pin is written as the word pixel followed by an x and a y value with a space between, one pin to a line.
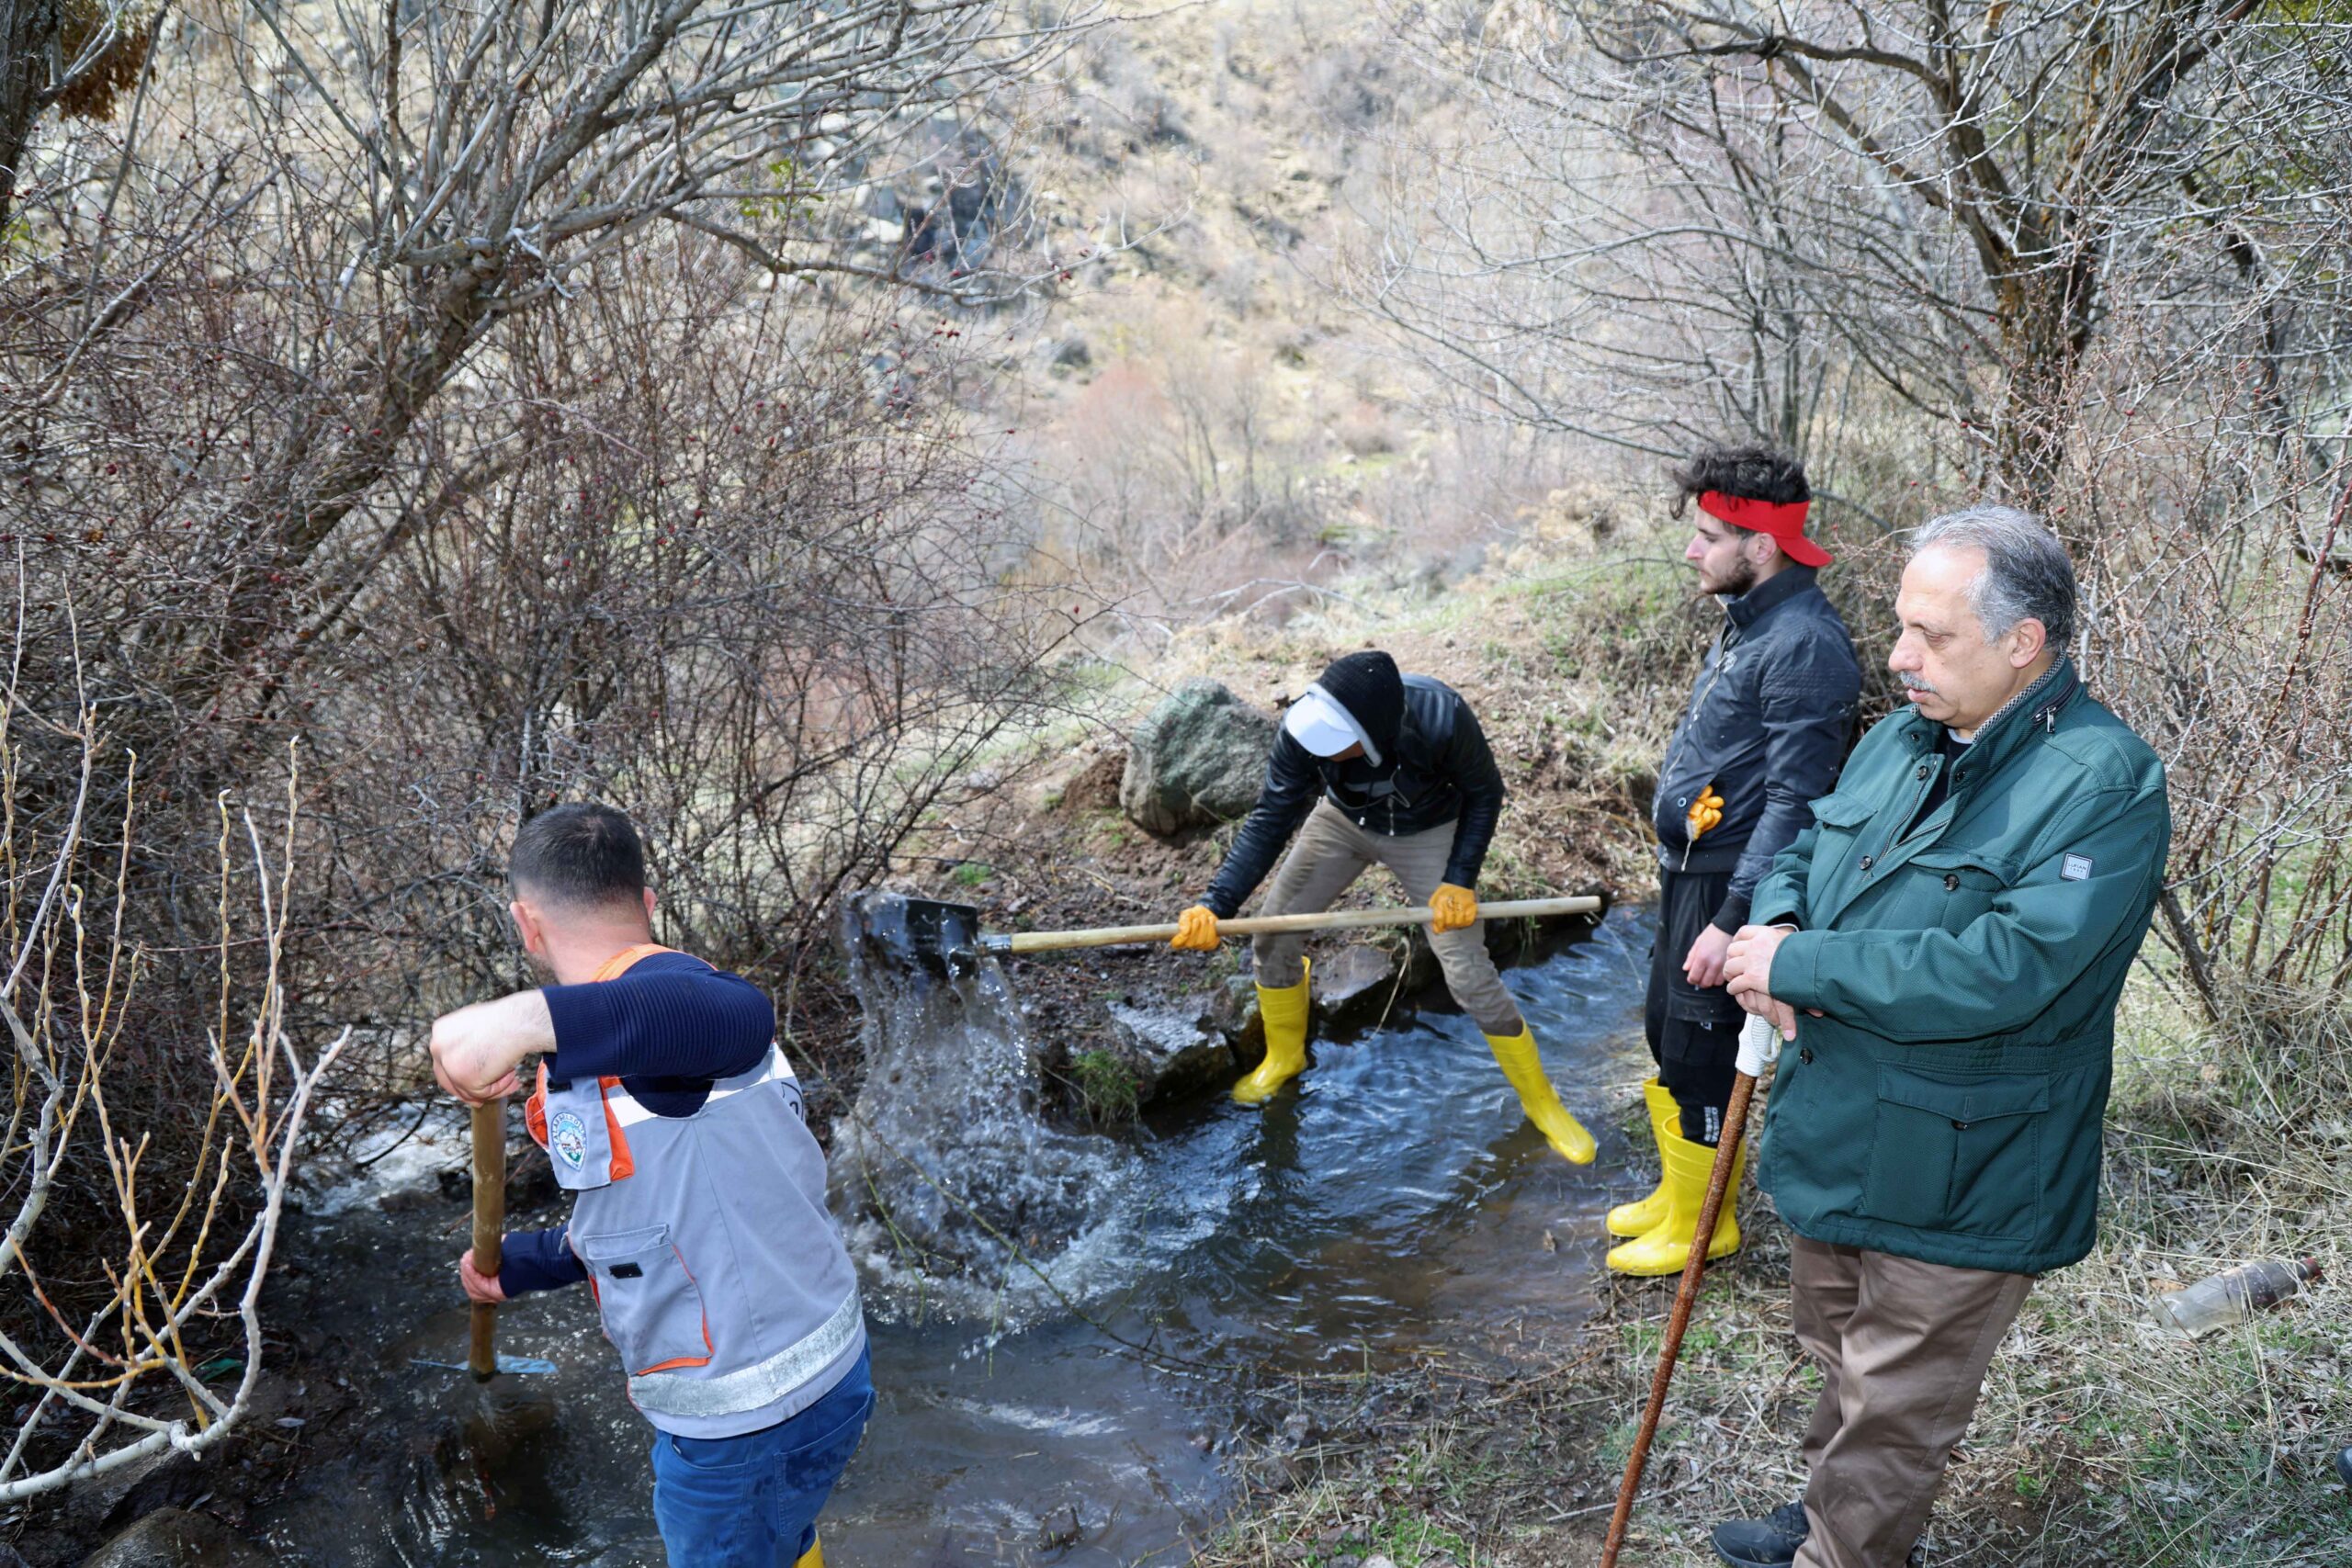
pixel 1394 1201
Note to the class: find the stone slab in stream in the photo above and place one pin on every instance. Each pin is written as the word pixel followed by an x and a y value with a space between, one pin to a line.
pixel 1354 986
pixel 175 1537
pixel 1173 1051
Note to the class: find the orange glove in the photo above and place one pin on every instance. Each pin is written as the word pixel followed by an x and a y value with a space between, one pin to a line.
pixel 1195 930
pixel 1705 811
pixel 1453 907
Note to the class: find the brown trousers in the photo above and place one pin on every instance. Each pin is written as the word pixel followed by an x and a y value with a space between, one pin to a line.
pixel 1902 1348
pixel 1324 861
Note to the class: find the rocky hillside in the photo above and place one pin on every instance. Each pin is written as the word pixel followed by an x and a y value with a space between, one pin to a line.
pixel 1197 422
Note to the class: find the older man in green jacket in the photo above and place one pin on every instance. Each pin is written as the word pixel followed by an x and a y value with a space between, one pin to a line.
pixel 1943 949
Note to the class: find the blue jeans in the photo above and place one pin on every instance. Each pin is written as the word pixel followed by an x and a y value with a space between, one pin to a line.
pixel 752 1502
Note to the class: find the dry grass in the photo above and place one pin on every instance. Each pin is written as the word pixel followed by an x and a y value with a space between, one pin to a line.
pixel 2099 1439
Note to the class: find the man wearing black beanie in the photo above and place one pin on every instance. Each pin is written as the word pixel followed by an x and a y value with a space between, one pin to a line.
pixel 1390 770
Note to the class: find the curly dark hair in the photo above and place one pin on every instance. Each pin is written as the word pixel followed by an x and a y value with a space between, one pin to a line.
pixel 1753 473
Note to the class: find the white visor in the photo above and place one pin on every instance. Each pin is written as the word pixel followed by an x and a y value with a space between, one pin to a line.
pixel 1322 724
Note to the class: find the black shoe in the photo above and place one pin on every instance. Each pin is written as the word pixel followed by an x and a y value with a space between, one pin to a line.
pixel 1763 1543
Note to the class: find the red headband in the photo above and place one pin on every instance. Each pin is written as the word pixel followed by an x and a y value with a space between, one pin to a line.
pixel 1785 524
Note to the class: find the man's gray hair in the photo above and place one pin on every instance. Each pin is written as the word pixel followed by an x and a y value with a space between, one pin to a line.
pixel 2027 573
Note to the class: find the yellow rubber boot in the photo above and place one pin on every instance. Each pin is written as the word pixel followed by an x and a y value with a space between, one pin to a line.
pixel 1516 1054
pixel 1666 1247
pixel 812 1558
pixel 1284 1012
pixel 1643 1215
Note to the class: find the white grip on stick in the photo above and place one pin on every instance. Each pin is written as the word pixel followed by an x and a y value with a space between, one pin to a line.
pixel 1759 1047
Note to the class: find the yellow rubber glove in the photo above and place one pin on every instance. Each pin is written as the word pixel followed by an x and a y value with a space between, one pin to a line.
pixel 1705 811
pixel 1453 907
pixel 1195 930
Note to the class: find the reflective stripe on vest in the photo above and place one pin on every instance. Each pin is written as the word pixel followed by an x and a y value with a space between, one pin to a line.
pixel 761 1383
pixel 625 1112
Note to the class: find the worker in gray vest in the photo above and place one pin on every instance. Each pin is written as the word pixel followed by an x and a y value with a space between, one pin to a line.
pixel 698 1199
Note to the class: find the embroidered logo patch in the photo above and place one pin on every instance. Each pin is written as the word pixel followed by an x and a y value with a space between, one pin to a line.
pixel 2076 868
pixel 568 1138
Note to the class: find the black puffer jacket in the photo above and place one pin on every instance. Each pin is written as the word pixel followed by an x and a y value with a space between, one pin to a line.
pixel 1770 719
pixel 1439 769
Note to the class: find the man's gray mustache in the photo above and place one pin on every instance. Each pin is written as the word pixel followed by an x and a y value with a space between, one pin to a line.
pixel 1914 683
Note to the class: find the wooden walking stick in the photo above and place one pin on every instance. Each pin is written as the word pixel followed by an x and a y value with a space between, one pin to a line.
pixel 490 1225
pixel 1754 1048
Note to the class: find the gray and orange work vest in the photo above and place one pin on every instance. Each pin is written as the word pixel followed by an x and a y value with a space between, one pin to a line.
pixel 717 1270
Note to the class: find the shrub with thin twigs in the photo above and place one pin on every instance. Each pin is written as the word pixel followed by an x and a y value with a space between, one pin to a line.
pixel 163 1349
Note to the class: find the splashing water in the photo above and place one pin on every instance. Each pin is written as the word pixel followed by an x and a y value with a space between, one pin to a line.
pixel 955 1195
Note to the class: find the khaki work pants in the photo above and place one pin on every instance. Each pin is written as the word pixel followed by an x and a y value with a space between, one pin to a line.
pixel 1324 861
pixel 1902 1348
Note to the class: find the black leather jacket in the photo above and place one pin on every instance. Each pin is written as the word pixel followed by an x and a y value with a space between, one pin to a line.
pixel 1441 770
pixel 1770 716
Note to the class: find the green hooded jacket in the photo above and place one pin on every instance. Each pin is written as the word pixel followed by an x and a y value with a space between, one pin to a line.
pixel 1947 1105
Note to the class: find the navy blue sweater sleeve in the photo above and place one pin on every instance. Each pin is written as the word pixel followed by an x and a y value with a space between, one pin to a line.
pixel 670 1016
pixel 538 1260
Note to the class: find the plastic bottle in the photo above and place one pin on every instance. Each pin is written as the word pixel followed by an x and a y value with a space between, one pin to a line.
pixel 2236 1295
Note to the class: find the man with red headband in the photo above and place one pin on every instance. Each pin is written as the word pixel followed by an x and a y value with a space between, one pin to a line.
pixel 1763 736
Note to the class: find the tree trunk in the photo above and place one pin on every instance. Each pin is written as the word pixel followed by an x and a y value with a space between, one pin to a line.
pixel 28 30
pixel 2044 308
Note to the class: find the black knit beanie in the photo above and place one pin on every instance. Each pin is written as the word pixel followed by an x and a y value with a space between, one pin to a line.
pixel 1368 686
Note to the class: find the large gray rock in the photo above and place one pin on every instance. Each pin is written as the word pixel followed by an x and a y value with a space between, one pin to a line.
pixel 1174 1052
pixel 1232 1011
pixel 174 1538
pixel 1198 759
pixel 1357 986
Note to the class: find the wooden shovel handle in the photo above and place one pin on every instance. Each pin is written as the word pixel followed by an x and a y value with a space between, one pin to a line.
pixel 490 1226
pixel 1329 921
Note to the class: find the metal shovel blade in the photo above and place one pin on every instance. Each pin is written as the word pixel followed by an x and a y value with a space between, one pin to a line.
pixel 533 1365
pixel 928 932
